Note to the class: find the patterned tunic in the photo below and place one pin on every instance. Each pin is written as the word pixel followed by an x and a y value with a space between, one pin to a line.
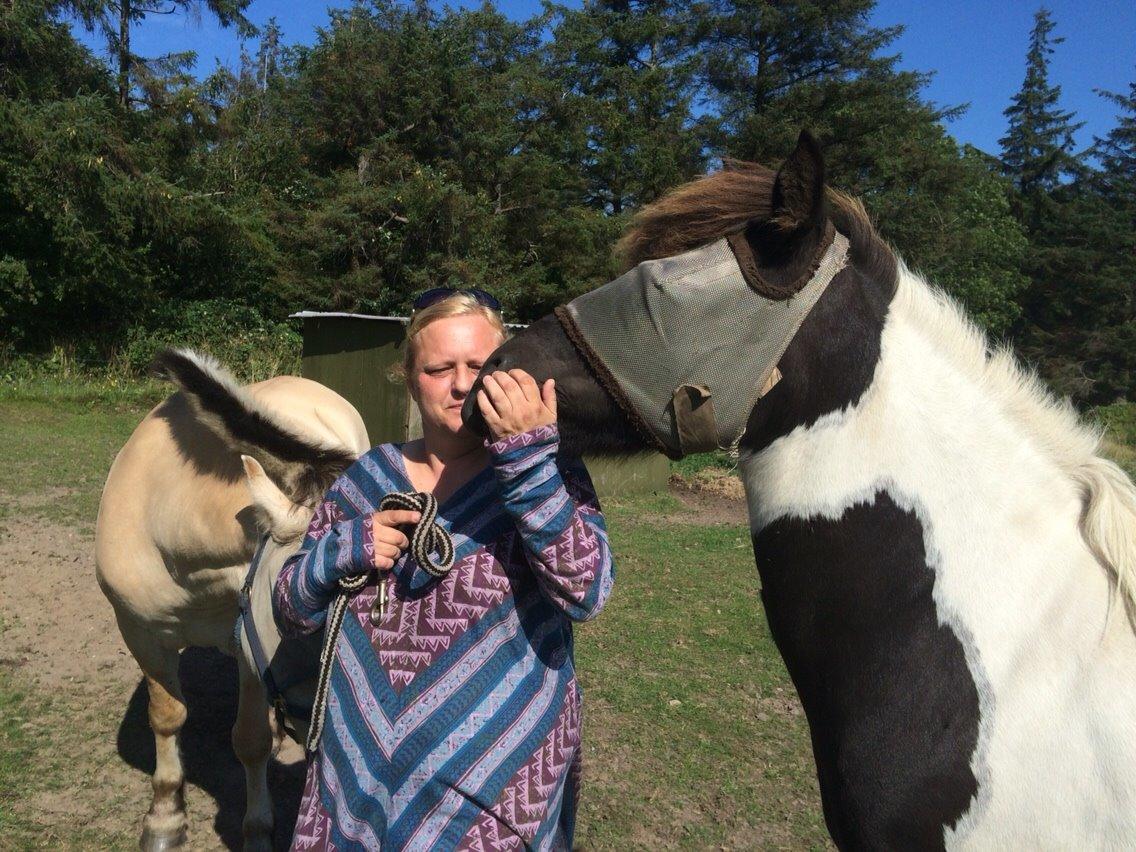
pixel 455 722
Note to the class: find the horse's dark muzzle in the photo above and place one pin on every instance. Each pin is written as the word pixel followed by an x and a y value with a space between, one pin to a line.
pixel 471 413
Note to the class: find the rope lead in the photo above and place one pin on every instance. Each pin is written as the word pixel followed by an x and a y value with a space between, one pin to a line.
pixel 428 536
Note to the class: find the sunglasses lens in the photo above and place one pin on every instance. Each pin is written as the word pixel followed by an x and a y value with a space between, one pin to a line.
pixel 437 294
pixel 428 298
pixel 487 299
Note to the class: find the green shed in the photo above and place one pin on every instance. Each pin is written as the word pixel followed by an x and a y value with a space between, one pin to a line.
pixel 353 354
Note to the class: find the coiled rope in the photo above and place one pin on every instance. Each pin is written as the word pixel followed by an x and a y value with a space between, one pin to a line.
pixel 428 537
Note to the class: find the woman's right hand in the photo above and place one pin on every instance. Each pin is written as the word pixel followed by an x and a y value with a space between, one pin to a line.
pixel 389 540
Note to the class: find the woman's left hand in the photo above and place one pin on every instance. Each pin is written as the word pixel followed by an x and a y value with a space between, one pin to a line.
pixel 512 403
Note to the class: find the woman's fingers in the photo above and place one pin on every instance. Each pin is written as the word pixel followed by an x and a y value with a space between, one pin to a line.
pixel 518 399
pixel 496 393
pixel 526 383
pixel 388 540
pixel 386 555
pixel 548 396
pixel 492 419
pixel 389 536
pixel 394 517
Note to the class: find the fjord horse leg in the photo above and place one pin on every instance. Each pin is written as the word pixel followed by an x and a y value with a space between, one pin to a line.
pixel 252 742
pixel 164 826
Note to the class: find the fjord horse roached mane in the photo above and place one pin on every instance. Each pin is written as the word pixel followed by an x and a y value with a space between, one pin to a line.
pixel 946 564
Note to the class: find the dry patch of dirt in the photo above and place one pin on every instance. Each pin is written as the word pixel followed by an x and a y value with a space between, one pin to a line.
pixel 711 481
pixel 89 779
pixel 719 502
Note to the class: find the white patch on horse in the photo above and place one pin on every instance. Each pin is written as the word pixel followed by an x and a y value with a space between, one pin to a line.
pixel 1029 535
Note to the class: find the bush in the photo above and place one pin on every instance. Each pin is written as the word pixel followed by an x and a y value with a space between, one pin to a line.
pixel 252 347
pixel 1119 421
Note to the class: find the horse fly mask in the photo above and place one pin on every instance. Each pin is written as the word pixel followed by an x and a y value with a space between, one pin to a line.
pixel 687 345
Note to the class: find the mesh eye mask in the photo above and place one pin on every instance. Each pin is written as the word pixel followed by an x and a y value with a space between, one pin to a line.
pixel 687 346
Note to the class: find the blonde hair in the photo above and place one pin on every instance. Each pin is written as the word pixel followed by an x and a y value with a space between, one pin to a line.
pixel 457 305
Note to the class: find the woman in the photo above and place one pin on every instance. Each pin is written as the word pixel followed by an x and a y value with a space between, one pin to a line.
pixel 454 722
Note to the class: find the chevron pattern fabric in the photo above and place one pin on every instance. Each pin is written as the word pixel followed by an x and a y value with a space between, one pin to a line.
pixel 454 723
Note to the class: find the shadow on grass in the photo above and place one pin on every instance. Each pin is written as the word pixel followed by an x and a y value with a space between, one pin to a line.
pixel 209 682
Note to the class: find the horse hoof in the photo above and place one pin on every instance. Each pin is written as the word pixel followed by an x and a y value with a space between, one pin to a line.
pixel 155 842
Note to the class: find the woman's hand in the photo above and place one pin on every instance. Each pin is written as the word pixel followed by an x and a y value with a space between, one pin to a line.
pixel 389 540
pixel 512 403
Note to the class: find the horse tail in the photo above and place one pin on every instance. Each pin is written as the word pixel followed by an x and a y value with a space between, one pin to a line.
pixel 1108 522
pixel 302 468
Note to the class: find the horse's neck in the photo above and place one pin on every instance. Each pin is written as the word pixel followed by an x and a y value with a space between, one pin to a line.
pixel 936 417
pixel 925 578
pixel 946 439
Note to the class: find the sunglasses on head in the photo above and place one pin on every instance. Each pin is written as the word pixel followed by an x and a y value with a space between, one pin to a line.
pixel 437 294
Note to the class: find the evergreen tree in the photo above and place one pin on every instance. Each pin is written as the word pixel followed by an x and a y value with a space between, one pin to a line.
pixel 1106 301
pixel 114 19
pixel 773 68
pixel 409 148
pixel 413 150
pixel 99 220
pixel 757 52
pixel 1117 150
pixel 630 71
pixel 1077 307
pixel 1037 150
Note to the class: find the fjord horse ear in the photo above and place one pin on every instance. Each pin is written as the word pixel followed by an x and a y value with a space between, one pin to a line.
pixel 798 191
pixel 277 515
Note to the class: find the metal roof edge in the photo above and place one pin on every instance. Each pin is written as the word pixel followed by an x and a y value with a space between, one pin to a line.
pixel 317 314
pixel 403 320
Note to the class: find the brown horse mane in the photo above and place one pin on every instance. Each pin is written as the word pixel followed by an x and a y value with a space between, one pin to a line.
pixel 724 202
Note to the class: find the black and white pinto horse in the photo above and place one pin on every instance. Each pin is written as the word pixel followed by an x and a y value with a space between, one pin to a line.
pixel 946 563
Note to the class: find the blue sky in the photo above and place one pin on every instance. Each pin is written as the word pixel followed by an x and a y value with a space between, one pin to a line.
pixel 976 50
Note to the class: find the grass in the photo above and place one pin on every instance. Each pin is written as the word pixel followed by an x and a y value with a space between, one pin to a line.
pixel 688 709
pixel 1119 421
pixel 17 744
pixel 57 444
pixel 688 466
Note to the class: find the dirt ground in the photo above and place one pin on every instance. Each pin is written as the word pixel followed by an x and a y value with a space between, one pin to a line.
pixel 61 642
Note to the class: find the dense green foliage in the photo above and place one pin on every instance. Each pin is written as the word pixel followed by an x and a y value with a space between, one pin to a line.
pixel 408 148
pixel 1079 307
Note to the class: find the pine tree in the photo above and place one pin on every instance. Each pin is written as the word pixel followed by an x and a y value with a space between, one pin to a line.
pixel 1117 151
pixel 1037 150
pixel 757 52
pixel 1077 309
pixel 268 54
pixel 629 69
pixel 1110 197
pixel 774 68
pixel 116 18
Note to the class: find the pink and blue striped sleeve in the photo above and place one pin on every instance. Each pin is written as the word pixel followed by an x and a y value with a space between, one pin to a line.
pixel 555 509
pixel 338 543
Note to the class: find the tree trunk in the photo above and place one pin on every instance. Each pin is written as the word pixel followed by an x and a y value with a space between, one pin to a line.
pixel 124 52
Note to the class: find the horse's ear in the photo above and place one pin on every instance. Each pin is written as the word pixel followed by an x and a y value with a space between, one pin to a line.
pixel 798 191
pixel 277 515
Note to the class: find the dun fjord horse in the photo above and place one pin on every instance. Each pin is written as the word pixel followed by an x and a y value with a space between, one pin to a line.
pixel 174 536
pixel 946 563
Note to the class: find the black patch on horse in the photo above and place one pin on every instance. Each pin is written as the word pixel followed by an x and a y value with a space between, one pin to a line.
pixel 829 364
pixel 892 707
